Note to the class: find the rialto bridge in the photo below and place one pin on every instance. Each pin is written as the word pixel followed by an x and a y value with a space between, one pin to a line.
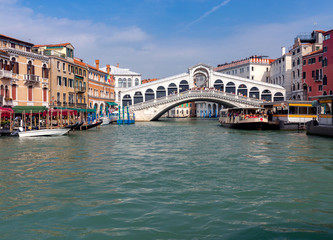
pixel 201 83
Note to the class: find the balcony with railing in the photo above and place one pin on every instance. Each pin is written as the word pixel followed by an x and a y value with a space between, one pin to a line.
pixel 81 105
pixel 80 89
pixel 31 78
pixel 4 74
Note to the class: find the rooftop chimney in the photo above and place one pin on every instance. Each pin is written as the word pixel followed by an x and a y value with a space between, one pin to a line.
pixel 117 65
pixel 108 69
pixel 97 64
pixel 283 51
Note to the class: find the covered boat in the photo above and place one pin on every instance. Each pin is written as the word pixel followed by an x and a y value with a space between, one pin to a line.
pixel 246 118
pixel 43 132
pixel 323 126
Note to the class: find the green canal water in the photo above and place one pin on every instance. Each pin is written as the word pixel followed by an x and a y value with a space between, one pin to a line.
pixel 167 180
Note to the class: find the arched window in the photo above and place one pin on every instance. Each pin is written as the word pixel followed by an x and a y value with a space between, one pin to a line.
pixel 266 95
pixel 129 82
pixel 136 82
pixel 149 95
pixel 14 66
pixel 183 86
pixel 6 92
pixel 138 98
pixel 278 97
pixel 218 84
pixel 120 82
pixel 30 68
pixel 172 88
pixel 45 72
pixel 242 90
pixel 124 82
pixel 127 100
pixel 230 87
pixel 160 92
pixel 254 93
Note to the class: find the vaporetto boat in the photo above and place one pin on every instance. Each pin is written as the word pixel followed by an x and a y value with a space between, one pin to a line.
pixel 246 118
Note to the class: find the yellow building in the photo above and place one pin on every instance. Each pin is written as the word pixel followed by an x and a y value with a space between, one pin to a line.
pixel 68 76
pixel 23 74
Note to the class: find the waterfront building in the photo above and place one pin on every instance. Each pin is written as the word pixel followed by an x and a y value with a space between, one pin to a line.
pixel 68 76
pixel 207 109
pixel 312 74
pixel 24 76
pixel 328 63
pixel 304 44
pixel 281 71
pixel 185 110
pixel 5 78
pixel 101 89
pixel 124 79
pixel 254 68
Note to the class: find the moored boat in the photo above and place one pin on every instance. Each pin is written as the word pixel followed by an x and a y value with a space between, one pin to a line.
pixel 89 126
pixel 105 121
pixel 291 115
pixel 246 118
pixel 323 126
pixel 43 132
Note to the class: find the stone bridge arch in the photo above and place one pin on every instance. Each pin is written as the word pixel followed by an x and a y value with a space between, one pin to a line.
pixel 154 109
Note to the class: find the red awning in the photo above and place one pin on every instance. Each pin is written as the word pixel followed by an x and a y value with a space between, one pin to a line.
pixel 62 112
pixel 5 112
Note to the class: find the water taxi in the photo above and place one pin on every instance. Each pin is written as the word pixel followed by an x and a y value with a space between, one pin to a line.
pixel 323 125
pixel 291 115
pixel 246 118
pixel 43 132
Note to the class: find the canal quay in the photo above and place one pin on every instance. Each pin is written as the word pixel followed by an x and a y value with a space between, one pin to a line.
pixel 170 179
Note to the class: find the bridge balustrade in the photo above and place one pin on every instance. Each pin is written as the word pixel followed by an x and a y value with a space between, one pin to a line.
pixel 196 93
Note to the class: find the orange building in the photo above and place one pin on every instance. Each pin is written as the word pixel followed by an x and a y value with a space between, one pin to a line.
pixel 101 90
pixel 24 76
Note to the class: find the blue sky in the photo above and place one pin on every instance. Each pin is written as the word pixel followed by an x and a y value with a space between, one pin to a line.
pixel 160 38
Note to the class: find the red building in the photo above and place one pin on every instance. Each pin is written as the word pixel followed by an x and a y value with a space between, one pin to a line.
pixel 328 63
pixel 312 74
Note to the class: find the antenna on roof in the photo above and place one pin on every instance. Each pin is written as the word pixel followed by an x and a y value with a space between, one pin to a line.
pixel 314 25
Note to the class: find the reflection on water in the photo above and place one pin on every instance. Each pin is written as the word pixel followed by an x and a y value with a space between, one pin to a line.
pixel 167 180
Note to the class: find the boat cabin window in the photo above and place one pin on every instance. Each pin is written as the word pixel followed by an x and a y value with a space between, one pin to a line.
pixel 302 110
pixel 326 108
pixel 281 111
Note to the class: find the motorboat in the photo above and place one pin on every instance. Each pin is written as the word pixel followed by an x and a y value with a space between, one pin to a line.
pixel 43 132
pixel 105 121
pixel 250 118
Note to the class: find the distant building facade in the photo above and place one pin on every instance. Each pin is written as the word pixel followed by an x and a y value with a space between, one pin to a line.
pixel 101 89
pixel 124 78
pixel 303 45
pixel 254 68
pixel 281 72
pixel 328 63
